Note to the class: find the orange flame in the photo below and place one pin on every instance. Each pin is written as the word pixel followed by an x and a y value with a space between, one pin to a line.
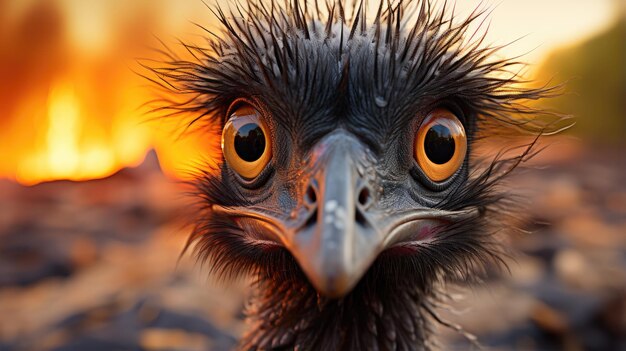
pixel 69 109
pixel 72 150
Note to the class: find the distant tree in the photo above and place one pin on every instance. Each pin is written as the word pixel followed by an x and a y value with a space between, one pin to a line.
pixel 596 92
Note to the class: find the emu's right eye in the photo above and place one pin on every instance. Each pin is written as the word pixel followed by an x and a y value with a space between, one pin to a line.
pixel 245 142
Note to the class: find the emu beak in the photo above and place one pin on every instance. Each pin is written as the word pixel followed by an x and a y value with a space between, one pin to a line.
pixel 336 245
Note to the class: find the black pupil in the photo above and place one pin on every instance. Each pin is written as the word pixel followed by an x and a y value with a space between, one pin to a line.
pixel 439 144
pixel 250 142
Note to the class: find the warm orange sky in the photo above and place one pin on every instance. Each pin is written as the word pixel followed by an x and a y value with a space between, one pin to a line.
pixel 546 24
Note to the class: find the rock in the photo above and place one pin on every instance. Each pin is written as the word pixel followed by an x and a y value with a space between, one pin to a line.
pixel 154 339
pixel 549 319
pixel 573 269
pixel 83 252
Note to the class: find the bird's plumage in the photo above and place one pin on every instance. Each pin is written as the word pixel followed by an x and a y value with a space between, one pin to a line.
pixel 322 74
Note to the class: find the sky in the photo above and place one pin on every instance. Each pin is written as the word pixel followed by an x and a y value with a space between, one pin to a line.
pixel 544 25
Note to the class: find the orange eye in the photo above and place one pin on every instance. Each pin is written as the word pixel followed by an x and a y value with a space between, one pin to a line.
pixel 245 142
pixel 440 145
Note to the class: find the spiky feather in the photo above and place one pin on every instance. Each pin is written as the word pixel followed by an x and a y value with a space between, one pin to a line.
pixel 313 62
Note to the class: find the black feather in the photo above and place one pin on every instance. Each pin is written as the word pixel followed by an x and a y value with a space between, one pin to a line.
pixel 317 68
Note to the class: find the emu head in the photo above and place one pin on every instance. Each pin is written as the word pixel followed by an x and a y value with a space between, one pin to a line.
pixel 348 142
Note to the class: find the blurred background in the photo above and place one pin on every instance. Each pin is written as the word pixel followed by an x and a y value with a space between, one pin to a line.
pixel 92 210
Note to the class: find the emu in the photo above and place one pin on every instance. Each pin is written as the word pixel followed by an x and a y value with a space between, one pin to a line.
pixel 348 185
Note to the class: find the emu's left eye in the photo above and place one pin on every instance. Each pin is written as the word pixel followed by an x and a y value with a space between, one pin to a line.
pixel 440 145
pixel 245 142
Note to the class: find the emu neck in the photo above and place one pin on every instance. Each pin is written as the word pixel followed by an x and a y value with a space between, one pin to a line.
pixel 292 315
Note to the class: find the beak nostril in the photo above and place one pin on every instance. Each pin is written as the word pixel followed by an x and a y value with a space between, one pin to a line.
pixel 310 196
pixel 365 197
pixel 359 218
pixel 310 222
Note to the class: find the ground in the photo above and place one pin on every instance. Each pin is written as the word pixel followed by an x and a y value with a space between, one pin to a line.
pixel 95 265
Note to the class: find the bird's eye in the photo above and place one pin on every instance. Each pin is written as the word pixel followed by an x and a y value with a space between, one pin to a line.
pixel 440 145
pixel 245 142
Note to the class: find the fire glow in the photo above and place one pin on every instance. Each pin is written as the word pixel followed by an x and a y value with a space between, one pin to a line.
pixel 70 102
pixel 69 99
pixel 69 152
pixel 72 146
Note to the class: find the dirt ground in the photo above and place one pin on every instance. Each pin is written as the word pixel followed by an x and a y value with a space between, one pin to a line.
pixel 95 266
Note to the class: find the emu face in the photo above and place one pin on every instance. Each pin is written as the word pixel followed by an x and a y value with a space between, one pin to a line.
pixel 337 204
pixel 348 180
pixel 346 143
